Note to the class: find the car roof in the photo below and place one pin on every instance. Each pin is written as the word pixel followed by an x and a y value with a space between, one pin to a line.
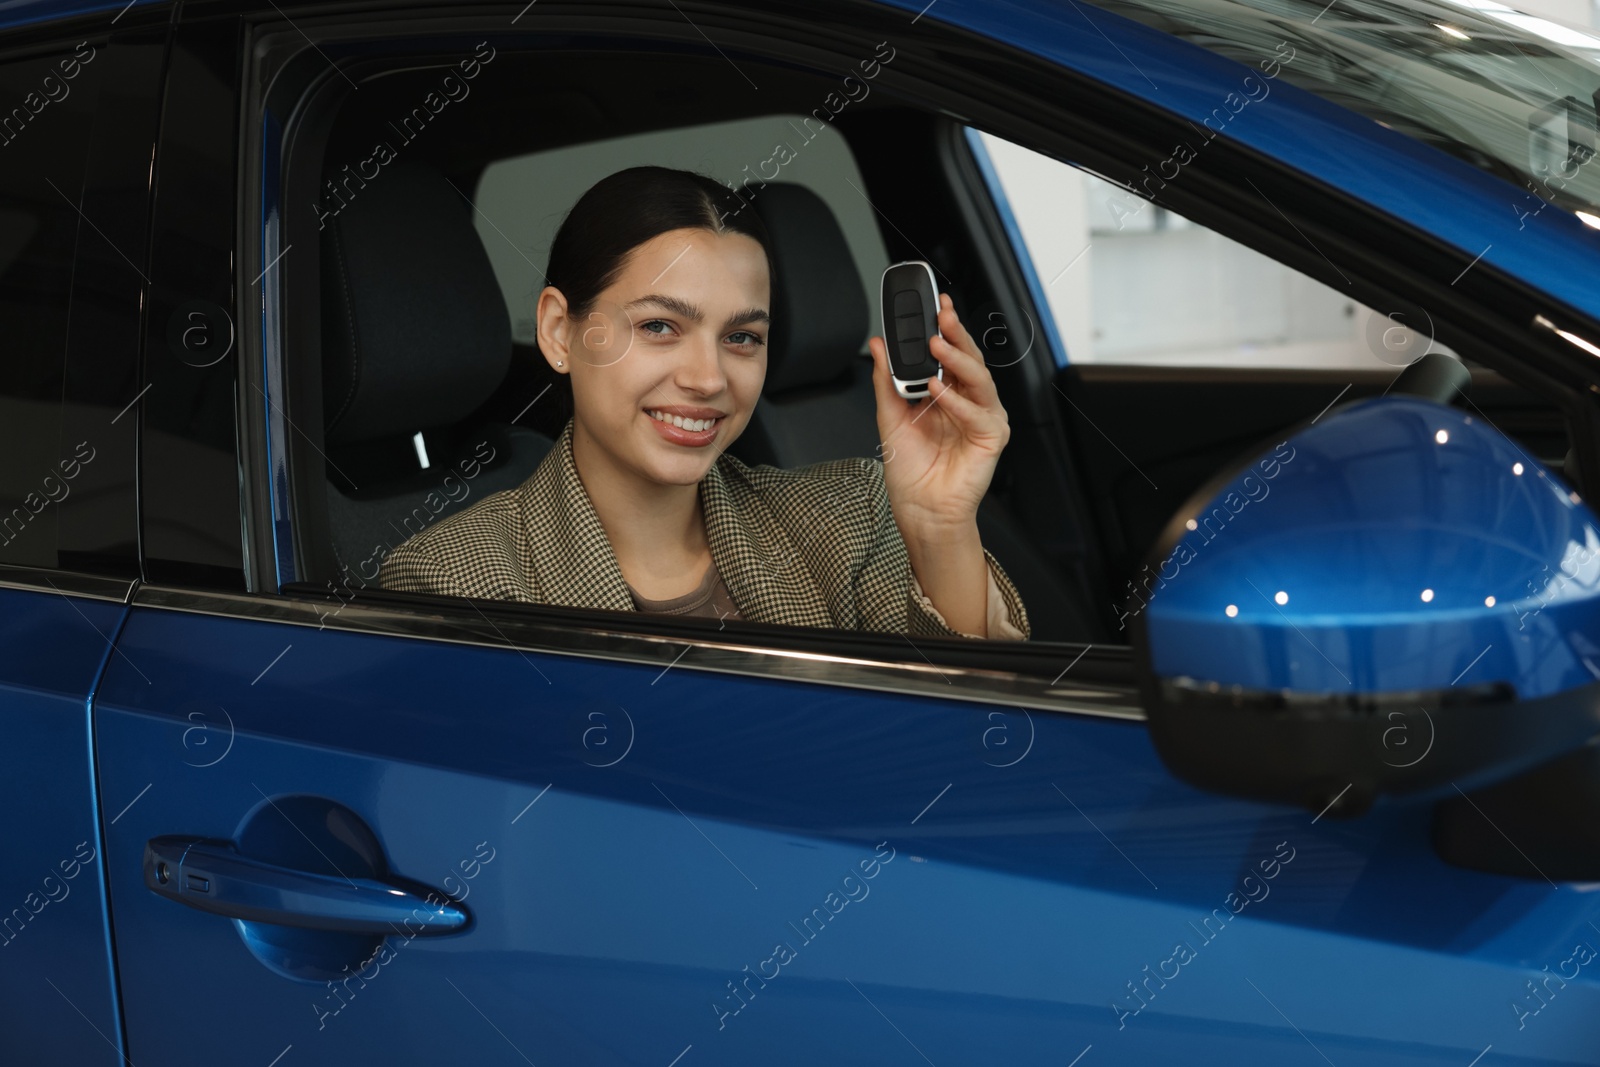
pixel 15 13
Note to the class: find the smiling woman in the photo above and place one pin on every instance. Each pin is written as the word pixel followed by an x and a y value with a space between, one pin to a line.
pixel 655 318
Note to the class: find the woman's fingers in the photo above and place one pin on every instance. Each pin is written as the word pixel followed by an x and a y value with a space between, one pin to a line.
pixel 967 391
pixel 960 336
pixel 960 356
pixel 968 370
pixel 973 419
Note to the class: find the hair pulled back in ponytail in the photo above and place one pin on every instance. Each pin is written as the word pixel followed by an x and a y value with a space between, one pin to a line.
pixel 623 211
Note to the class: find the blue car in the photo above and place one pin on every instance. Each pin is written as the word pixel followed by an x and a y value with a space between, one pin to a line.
pixel 1294 309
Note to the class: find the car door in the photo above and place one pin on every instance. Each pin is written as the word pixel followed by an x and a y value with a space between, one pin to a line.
pixel 416 829
pixel 75 143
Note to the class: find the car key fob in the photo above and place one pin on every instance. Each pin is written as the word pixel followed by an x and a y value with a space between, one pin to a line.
pixel 910 318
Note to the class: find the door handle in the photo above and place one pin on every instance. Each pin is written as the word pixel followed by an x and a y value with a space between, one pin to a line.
pixel 213 876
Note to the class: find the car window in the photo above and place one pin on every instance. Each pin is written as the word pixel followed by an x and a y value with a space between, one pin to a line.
pixel 46 116
pixel 517 224
pixel 433 396
pixel 1507 91
pixel 1102 253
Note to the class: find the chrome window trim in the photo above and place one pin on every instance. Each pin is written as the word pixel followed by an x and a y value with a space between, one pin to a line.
pixel 76 583
pixel 1010 689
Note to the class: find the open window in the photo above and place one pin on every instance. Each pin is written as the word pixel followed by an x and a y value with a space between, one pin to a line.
pixel 412 372
pixel 412 389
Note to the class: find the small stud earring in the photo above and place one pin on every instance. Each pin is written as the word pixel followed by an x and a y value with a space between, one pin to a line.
pixel 560 364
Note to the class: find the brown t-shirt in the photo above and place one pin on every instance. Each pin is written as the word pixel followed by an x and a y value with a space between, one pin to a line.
pixel 709 599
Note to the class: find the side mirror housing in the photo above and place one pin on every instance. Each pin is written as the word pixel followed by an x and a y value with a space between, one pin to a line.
pixel 1395 599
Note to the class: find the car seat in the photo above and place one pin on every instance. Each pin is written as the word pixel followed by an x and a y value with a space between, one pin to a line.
pixel 415 338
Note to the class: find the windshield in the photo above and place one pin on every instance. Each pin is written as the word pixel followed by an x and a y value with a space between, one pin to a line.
pixel 1513 94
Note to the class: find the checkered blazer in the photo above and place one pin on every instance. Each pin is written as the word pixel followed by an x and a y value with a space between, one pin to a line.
pixel 813 546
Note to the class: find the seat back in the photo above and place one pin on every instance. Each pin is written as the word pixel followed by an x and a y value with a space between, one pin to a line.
pixel 415 338
pixel 817 401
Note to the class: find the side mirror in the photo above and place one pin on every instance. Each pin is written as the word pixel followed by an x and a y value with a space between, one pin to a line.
pixel 1395 599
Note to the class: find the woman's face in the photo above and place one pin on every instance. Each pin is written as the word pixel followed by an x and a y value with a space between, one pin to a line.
pixel 668 367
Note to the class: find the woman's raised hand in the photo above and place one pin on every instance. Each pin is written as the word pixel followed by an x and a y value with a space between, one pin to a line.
pixel 939 454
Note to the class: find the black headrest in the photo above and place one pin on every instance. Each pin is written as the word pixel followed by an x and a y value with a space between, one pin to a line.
pixel 819 308
pixel 415 332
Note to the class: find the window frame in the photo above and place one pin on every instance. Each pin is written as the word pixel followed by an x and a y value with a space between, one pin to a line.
pixel 1017 674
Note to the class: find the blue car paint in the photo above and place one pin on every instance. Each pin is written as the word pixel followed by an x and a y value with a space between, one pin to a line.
pixel 17 13
pixel 1479 214
pixel 1028 912
pixel 637 873
pixel 57 989
pixel 1398 545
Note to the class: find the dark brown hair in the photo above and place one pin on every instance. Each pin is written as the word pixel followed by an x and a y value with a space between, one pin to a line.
pixel 623 211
